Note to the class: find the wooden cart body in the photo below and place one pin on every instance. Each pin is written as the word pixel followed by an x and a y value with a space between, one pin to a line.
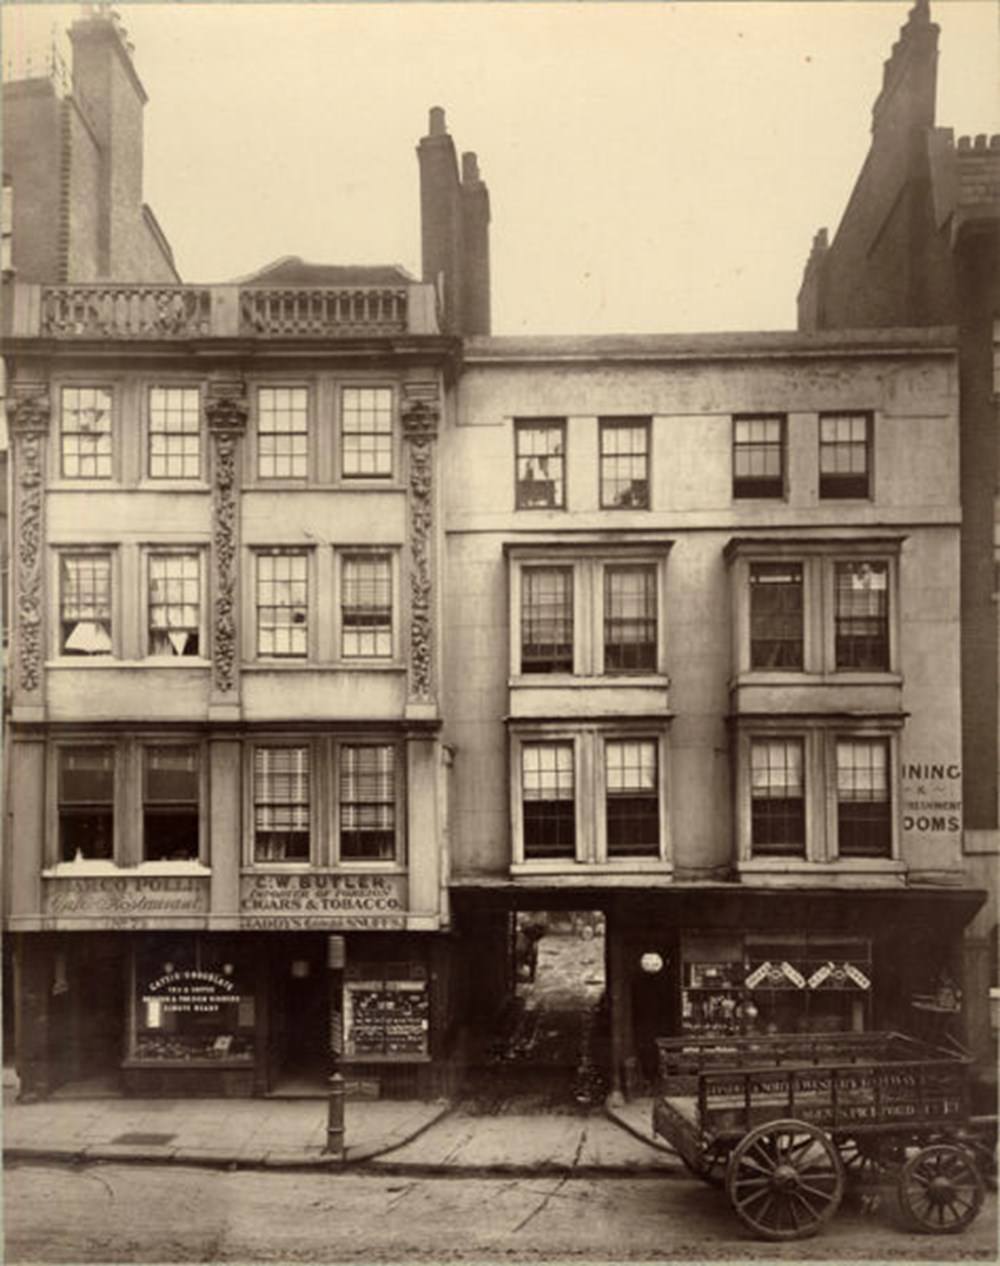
pixel 876 1093
pixel 717 1089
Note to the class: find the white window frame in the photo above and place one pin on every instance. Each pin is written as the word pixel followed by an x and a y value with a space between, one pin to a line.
pixel 203 801
pixel 128 848
pixel 819 736
pixel 818 560
pixel 112 553
pixel 588 567
pixel 546 422
pixel 251 648
pixel 374 481
pixel 84 481
pixel 849 734
pixel 316 784
pixel 255 477
pixel 398 861
pixel 150 552
pixel 590 794
pixel 147 478
pixel 392 552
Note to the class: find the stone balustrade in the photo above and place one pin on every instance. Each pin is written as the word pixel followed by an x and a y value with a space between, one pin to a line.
pixel 99 310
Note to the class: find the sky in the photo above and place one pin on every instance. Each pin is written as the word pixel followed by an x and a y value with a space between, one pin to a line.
pixel 652 167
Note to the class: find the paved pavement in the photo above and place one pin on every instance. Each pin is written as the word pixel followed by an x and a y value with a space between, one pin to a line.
pixel 393 1136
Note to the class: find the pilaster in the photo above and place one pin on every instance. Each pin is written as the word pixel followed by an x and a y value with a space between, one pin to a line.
pixel 226 414
pixel 29 419
pixel 420 415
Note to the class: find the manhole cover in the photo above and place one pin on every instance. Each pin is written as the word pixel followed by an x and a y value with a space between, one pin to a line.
pixel 143 1138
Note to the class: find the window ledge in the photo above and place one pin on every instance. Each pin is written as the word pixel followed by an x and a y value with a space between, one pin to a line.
pixel 340 485
pixel 626 866
pixel 95 868
pixel 86 485
pixel 799 678
pixel 796 873
pixel 580 681
pixel 321 666
pixel 345 869
pixel 835 867
pixel 172 485
pixel 153 662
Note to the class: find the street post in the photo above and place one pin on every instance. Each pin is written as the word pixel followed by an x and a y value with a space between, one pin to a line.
pixel 335 1104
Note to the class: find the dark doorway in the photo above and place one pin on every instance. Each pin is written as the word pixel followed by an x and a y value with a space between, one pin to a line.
pixel 654 983
pixel 300 1017
pixel 87 1015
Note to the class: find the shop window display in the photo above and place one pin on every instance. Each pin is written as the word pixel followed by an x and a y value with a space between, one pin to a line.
pixel 193 1000
pixel 386 1011
pixel 799 983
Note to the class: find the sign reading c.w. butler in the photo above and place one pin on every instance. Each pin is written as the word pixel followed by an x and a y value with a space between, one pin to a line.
pixel 363 901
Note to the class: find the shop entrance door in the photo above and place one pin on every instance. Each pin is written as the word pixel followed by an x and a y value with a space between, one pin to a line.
pixel 300 1018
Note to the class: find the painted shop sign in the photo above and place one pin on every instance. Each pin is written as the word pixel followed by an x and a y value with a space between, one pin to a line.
pixel 932 796
pixel 131 897
pixel 323 901
pixel 189 991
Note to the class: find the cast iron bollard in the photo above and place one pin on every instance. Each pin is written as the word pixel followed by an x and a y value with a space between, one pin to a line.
pixel 335 1104
pixel 335 1114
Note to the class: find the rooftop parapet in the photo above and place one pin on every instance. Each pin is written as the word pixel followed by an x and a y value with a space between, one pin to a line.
pixel 99 310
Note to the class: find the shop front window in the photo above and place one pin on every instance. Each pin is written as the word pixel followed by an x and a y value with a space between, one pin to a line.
pixel 386 1010
pixel 193 1000
pixel 798 982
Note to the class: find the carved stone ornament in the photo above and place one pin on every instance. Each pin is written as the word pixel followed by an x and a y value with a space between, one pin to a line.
pixel 226 413
pixel 30 413
pixel 420 423
pixel 420 418
pixel 227 416
pixel 29 600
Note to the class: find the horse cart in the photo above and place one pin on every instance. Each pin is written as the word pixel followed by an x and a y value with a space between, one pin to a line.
pixel 784 1122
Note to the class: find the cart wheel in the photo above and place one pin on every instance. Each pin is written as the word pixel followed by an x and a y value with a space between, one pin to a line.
pixel 710 1166
pixel 940 1190
pixel 785 1179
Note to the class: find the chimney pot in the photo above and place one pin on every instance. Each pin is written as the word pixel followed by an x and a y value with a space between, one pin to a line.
pixel 981 141
pixel 995 141
pixel 470 169
pixel 437 125
pixel 965 142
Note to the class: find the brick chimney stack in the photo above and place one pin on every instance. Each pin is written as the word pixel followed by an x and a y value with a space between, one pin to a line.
pixel 454 224
pixel 475 249
pixel 112 97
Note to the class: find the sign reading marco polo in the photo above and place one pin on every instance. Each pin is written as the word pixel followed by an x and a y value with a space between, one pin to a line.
pixel 125 900
pixel 363 901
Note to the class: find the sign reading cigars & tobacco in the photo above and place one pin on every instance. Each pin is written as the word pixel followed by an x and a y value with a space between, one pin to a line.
pixel 362 901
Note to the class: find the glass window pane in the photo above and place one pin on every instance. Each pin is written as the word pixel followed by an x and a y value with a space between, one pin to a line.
pixel 539 459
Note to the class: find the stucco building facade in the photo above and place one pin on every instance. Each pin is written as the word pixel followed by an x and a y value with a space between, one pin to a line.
pixel 702 637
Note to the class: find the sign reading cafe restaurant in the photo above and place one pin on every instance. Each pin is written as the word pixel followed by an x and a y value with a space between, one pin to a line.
pixel 363 901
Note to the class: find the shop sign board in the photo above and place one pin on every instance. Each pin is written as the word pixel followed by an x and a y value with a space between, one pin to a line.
pixel 366 902
pixel 112 899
